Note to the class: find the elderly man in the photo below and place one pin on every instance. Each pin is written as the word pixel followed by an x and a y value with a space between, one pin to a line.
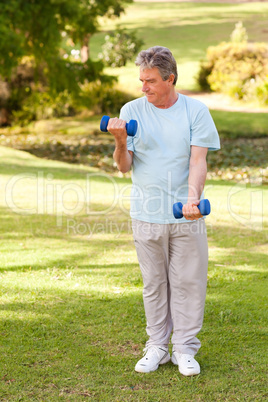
pixel 168 158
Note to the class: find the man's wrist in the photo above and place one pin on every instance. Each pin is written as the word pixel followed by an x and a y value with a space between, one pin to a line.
pixel 193 200
pixel 120 145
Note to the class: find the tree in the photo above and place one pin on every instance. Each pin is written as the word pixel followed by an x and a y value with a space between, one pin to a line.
pixel 37 28
pixel 119 47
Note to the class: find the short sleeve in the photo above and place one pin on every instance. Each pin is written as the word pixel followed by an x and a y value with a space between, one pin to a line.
pixel 125 116
pixel 203 132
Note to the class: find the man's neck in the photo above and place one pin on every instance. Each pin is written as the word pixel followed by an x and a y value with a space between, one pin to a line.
pixel 170 101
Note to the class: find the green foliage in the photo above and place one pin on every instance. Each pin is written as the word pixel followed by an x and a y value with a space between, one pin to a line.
pixel 262 91
pixel 42 105
pixel 203 74
pixel 26 78
pixel 33 92
pixel 237 69
pixel 103 98
pixel 35 28
pixel 39 32
pixel 120 47
pixel 65 74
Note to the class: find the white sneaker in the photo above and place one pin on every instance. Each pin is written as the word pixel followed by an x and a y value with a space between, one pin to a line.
pixel 187 363
pixel 153 356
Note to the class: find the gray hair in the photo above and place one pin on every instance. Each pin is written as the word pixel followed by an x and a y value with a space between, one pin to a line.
pixel 161 58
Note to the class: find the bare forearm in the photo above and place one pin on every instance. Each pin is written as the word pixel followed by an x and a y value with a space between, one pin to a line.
pixel 197 179
pixel 196 182
pixel 122 158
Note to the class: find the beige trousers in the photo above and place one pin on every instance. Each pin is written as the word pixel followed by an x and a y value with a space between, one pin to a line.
pixel 173 259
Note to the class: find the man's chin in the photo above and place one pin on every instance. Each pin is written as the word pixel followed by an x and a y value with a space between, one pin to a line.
pixel 149 98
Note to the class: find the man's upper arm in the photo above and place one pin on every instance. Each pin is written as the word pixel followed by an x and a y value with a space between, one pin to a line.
pixel 198 155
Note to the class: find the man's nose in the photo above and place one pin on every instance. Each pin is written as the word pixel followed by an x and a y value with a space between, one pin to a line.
pixel 144 87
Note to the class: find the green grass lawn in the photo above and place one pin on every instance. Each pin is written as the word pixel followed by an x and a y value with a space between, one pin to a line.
pixel 187 29
pixel 72 320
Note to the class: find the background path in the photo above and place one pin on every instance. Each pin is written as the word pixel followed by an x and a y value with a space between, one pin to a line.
pixel 218 101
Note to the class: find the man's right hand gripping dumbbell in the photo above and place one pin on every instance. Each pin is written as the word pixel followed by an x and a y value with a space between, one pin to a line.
pixel 115 126
pixel 120 130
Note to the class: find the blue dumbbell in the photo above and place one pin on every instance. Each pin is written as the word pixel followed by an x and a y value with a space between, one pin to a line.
pixel 204 208
pixel 131 127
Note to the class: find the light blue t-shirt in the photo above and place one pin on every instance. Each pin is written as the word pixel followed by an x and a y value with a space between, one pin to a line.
pixel 161 156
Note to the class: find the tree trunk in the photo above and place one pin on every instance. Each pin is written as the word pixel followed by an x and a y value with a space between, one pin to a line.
pixel 85 49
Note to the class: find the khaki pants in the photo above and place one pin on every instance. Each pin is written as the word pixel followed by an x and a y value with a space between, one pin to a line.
pixel 173 259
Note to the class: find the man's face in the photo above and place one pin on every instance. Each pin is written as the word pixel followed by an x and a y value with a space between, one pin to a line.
pixel 156 90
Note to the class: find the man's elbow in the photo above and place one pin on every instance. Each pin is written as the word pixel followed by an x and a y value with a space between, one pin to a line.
pixel 123 169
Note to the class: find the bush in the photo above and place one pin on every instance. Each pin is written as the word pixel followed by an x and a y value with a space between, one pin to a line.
pixel 103 98
pixel 120 47
pixel 27 95
pixel 42 105
pixel 262 91
pixel 237 68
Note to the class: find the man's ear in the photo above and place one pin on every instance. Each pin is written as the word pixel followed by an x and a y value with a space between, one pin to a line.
pixel 171 79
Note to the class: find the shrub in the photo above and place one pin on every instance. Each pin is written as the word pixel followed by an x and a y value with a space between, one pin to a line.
pixel 262 91
pixel 120 47
pixel 237 68
pixel 27 95
pixel 42 105
pixel 103 98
